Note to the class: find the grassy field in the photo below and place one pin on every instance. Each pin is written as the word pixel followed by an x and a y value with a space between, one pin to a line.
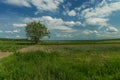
pixel 55 60
pixel 11 45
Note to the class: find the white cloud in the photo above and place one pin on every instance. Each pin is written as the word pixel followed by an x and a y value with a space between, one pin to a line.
pixel 89 32
pixel 1 31
pixel 9 32
pixel 24 3
pixel 65 35
pixel 99 16
pixel 17 36
pixel 55 23
pixel 96 21
pixel 111 29
pixel 12 31
pixel 47 5
pixel 16 31
pixel 72 13
pixel 19 25
pixel 104 9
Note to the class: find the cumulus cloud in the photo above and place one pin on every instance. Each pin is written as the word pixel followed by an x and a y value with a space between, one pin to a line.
pixel 55 23
pixel 72 13
pixel 104 9
pixel 47 5
pixel 99 16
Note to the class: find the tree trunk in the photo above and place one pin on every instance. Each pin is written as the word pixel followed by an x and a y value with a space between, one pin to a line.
pixel 36 40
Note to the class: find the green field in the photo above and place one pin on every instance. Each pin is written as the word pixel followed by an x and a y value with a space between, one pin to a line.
pixel 61 60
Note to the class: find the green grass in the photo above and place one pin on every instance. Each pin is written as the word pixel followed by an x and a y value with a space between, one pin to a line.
pixel 64 62
pixel 61 60
pixel 12 46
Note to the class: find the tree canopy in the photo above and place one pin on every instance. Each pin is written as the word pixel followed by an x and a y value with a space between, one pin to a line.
pixel 35 31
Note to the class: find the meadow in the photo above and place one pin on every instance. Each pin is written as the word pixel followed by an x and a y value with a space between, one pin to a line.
pixel 61 60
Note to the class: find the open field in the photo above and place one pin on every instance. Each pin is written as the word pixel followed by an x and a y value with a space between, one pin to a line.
pixel 61 60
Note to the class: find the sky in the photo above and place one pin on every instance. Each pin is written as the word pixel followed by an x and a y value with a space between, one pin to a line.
pixel 65 19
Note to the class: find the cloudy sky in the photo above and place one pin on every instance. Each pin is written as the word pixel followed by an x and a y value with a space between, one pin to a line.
pixel 66 19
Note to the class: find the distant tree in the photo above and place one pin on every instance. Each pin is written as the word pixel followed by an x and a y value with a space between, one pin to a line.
pixel 35 31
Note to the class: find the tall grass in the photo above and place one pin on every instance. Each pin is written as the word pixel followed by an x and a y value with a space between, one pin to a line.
pixel 56 66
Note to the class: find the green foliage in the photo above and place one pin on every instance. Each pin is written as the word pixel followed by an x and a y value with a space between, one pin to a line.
pixel 36 31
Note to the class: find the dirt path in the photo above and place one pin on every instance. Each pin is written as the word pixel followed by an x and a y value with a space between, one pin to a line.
pixel 26 49
pixel 5 54
pixel 31 49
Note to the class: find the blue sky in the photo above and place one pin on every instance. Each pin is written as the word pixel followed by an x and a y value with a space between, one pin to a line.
pixel 66 19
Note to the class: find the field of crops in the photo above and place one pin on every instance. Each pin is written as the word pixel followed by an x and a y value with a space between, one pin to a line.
pixel 75 60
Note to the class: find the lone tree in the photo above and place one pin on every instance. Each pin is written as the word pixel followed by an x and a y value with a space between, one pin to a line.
pixel 35 31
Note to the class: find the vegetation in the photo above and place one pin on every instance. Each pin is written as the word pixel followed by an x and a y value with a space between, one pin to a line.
pixel 94 61
pixel 12 46
pixel 36 31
